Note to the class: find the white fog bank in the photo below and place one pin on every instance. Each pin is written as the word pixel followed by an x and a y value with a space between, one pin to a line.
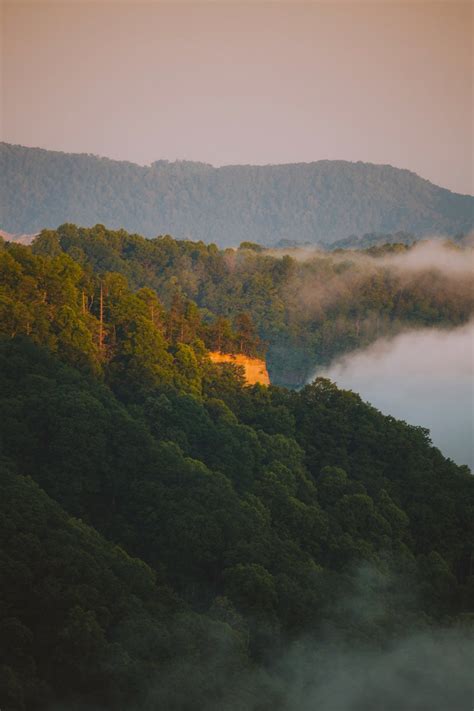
pixel 425 377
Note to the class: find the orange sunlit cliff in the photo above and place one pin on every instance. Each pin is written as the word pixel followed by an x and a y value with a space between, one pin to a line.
pixel 254 368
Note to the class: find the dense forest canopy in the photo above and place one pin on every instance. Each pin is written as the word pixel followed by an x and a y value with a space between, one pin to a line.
pixel 319 202
pixel 307 308
pixel 173 539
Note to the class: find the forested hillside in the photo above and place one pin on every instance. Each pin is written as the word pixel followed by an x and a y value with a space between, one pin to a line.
pixel 314 202
pixel 307 308
pixel 172 539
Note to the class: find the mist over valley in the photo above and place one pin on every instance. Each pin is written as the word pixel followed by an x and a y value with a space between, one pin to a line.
pixel 424 377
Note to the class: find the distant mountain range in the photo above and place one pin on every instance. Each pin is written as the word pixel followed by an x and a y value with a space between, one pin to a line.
pixel 320 202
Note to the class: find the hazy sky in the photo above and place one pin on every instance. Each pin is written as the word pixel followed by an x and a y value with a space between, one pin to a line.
pixel 244 83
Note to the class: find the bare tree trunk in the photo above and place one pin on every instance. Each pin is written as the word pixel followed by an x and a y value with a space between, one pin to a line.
pixel 101 319
pixel 83 303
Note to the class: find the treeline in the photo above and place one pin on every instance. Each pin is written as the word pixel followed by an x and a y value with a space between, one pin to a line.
pixel 166 533
pixel 308 310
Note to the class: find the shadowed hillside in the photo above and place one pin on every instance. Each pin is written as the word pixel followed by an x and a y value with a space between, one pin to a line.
pixel 173 538
pixel 314 202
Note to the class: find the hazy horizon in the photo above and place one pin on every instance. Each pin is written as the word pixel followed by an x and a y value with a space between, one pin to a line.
pixel 223 83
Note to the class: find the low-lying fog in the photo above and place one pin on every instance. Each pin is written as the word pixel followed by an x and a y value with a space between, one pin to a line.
pixel 424 377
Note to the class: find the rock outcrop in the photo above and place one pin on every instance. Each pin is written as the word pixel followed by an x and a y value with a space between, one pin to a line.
pixel 255 369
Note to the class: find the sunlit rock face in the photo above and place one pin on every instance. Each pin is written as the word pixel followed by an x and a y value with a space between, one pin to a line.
pixel 254 368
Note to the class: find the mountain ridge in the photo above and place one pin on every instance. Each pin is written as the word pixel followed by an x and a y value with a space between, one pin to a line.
pixel 160 162
pixel 320 201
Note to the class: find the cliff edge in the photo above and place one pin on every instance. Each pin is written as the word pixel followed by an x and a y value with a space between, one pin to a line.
pixel 254 368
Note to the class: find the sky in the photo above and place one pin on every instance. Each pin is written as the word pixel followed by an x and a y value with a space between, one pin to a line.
pixel 227 83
